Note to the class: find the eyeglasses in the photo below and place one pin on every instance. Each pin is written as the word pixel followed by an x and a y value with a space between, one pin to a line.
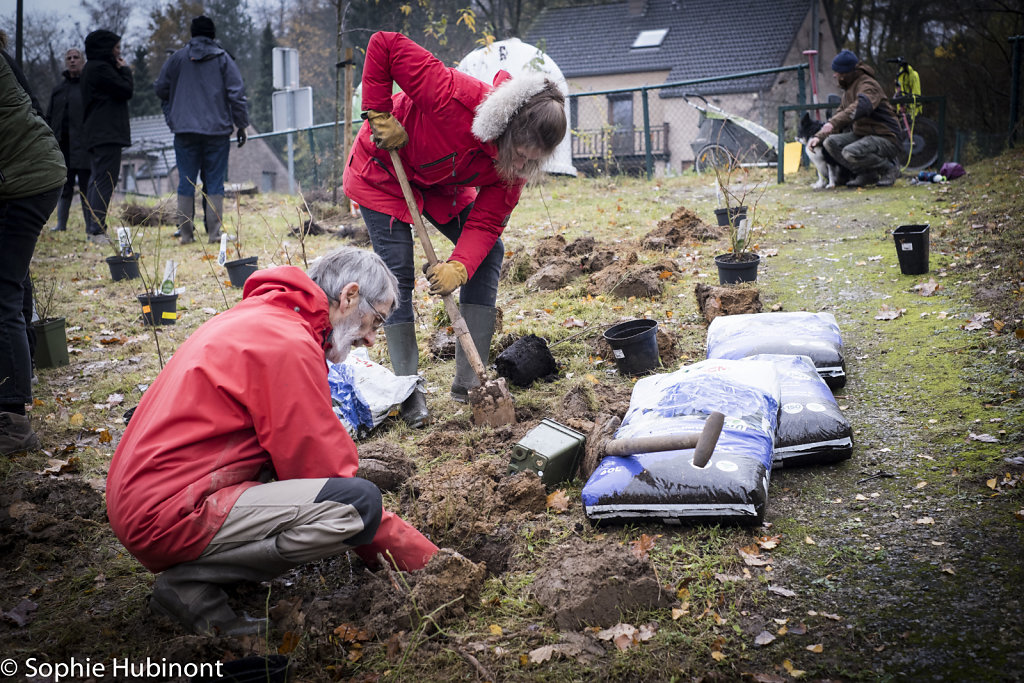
pixel 380 319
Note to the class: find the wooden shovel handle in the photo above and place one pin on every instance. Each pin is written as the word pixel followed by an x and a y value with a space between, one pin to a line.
pixel 458 324
pixel 703 442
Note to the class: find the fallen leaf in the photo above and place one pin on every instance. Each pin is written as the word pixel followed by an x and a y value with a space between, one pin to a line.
pixel 992 483
pixel 791 670
pixel 985 438
pixel 717 655
pixel 920 484
pixel 355 653
pixel 55 467
pixel 642 546
pixel 948 569
pixel 350 633
pixel 809 541
pixel 886 313
pixel 558 501
pixel 680 611
pixel 928 288
pixel 763 638
pixel 21 614
pixel 76 420
pixel 784 592
pixel 495 629
pixel 104 435
pixel 924 520
pixel 289 642
pixel 816 648
pixel 769 542
pixel 798 629
pixel 752 560
pixel 541 654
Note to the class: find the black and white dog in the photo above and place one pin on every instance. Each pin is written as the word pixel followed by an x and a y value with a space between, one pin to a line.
pixel 830 173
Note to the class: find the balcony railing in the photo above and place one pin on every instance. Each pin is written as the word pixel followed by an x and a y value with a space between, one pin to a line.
pixel 607 142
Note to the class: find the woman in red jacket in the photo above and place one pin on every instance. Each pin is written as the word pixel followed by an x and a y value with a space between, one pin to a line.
pixel 468 149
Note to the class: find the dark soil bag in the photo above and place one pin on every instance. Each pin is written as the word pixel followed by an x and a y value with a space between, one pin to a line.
pixel 815 335
pixel 667 486
pixel 812 430
pixel 526 360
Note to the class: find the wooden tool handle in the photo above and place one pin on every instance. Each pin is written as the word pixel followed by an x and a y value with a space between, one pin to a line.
pixel 458 324
pixel 703 443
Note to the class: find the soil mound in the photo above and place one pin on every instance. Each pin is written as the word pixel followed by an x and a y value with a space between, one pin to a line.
pixel 681 227
pixel 385 464
pixel 584 584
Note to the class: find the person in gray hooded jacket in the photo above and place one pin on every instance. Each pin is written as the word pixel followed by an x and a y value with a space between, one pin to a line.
pixel 203 99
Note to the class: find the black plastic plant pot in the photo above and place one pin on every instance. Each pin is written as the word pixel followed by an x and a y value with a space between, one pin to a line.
pixel 51 343
pixel 912 248
pixel 239 270
pixel 732 214
pixel 123 267
pixel 735 268
pixel 159 309
pixel 634 345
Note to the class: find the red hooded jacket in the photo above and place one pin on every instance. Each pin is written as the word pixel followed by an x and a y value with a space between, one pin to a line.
pixel 244 396
pixel 448 166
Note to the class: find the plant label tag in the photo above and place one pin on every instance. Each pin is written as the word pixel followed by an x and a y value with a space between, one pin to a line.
pixel 618 353
pixel 222 255
pixel 170 270
pixel 124 241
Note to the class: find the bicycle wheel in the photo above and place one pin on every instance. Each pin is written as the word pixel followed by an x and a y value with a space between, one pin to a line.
pixel 711 156
pixel 925 148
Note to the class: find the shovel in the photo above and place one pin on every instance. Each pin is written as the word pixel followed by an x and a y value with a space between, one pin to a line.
pixel 703 443
pixel 491 401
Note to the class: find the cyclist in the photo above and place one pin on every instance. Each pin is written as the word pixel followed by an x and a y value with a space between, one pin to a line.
pixel 863 135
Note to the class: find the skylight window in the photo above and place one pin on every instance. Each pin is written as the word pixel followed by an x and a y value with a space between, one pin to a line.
pixel 650 38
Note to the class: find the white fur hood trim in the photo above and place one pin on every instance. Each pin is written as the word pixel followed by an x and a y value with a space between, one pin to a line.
pixel 498 108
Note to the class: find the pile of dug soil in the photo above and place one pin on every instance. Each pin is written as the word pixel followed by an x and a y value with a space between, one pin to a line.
pixel 152 216
pixel 681 227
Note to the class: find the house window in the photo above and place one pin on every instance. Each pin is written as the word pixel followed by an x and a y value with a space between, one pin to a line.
pixel 128 177
pixel 620 119
pixel 649 38
pixel 267 181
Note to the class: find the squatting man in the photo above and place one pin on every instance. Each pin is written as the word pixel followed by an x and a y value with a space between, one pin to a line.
pixel 233 466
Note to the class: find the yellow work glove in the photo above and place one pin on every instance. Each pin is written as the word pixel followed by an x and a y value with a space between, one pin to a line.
pixel 388 133
pixel 446 277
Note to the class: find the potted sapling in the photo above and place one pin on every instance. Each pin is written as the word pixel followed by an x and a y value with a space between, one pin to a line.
pixel 241 268
pixel 50 329
pixel 738 215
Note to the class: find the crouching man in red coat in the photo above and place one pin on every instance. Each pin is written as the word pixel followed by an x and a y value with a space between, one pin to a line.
pixel 235 468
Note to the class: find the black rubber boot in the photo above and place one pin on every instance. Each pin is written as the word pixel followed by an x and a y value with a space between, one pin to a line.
pixel 186 213
pixel 480 321
pixel 405 359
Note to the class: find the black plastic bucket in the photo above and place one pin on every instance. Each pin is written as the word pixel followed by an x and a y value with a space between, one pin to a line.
pixel 912 248
pixel 733 213
pixel 159 309
pixel 731 272
pixel 123 267
pixel 240 270
pixel 634 345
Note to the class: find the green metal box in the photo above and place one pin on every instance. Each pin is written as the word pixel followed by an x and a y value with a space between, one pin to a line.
pixel 551 450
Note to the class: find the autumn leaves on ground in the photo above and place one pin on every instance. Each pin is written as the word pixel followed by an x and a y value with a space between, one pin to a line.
pixel 900 563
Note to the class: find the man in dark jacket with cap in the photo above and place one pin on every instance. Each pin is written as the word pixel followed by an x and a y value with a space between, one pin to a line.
pixel 863 135
pixel 66 117
pixel 204 102
pixel 107 85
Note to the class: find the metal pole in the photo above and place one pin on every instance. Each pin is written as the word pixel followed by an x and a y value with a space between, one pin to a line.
pixel 291 164
pixel 779 167
pixel 1014 86
pixel 19 33
pixel 648 158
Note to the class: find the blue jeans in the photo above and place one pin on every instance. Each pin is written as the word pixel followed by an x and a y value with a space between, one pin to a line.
pixel 393 242
pixel 205 153
pixel 21 221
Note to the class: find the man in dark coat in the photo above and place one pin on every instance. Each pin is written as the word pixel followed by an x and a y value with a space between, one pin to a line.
pixel 66 117
pixel 863 135
pixel 204 101
pixel 107 85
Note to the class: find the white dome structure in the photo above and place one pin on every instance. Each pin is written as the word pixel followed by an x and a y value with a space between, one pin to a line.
pixel 515 57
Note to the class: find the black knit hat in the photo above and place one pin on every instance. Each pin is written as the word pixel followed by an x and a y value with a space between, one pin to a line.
pixel 845 62
pixel 100 44
pixel 203 26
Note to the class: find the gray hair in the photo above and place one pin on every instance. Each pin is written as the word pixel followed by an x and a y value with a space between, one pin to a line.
pixel 334 270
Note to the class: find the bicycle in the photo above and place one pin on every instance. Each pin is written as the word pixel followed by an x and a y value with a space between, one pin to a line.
pixel 921 135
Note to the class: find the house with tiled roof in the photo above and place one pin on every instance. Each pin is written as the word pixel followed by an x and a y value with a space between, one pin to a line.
pixel 637 43
pixel 149 168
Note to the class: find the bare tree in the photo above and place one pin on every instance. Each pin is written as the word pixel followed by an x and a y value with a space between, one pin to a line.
pixel 112 15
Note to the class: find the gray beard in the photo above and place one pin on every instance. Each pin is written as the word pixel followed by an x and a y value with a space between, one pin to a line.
pixel 342 339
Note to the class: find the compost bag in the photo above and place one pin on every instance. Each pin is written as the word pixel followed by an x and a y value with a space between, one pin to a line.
pixel 364 393
pixel 815 335
pixel 667 486
pixel 812 430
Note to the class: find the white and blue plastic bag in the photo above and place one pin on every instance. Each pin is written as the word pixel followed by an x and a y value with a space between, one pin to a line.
pixel 365 393
pixel 800 333
pixel 666 486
